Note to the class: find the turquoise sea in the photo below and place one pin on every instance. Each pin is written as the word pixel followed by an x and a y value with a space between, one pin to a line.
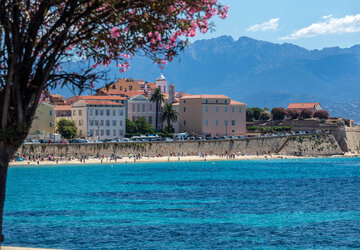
pixel 308 203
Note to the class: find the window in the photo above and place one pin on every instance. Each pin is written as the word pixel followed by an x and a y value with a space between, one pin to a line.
pixel 143 107
pixel 102 132
pixel 130 87
pixel 91 122
pixel 50 112
pixel 184 101
pixel 114 112
pixel 233 131
pixel 96 123
pixel 80 112
pixel 225 109
pixel 101 112
pixel 97 132
pixel 138 108
pixel 91 132
pixel 217 122
pixel 114 123
pixel 91 112
pixel 184 123
pixel 133 118
pixel 206 109
pixel 107 112
pixel 114 132
pixel 233 122
pixel 150 107
pixel 150 119
pixel 233 109
pixel 50 124
pixel 107 122
pixel 80 122
pixel 108 132
pixel 217 101
pixel 74 112
pixel 80 131
pixel 240 110
pixel 225 101
pixel 96 112
pixel 102 123
pixel 120 88
pixel 121 113
pixel 113 86
pixel 217 109
pixel 121 132
pixel 121 123
pixel 206 101
pixel 184 109
pixel 207 122
pixel 133 107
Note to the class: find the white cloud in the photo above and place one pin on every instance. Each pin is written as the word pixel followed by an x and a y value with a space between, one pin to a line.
pixel 331 25
pixel 327 17
pixel 272 25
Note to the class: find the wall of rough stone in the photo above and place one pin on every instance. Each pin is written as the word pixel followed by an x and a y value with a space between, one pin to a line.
pixel 295 145
pixel 312 145
pixel 352 138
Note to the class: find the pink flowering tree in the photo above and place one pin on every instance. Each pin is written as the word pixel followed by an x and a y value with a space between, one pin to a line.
pixel 38 36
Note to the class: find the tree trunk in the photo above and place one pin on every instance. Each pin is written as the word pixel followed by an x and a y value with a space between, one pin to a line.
pixel 6 153
pixel 156 118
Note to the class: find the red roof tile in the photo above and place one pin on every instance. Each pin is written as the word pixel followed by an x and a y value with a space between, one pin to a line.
pixel 305 105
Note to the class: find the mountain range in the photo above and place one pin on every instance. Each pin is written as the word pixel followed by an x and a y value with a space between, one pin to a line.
pixel 261 73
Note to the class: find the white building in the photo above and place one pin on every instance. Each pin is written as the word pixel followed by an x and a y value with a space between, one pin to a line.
pixel 140 107
pixel 162 83
pixel 99 119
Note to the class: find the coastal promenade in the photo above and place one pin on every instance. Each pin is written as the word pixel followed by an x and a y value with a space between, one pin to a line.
pixel 302 145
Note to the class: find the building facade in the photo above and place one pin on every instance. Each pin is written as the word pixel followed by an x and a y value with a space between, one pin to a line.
pixel 43 125
pixel 99 119
pixel 141 107
pixel 212 115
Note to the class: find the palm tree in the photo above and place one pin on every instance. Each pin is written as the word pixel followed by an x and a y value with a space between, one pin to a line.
pixel 158 98
pixel 169 114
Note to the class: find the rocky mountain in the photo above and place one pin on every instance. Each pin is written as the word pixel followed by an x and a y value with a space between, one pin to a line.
pixel 261 73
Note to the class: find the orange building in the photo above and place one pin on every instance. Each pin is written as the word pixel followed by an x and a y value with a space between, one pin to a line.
pixel 214 115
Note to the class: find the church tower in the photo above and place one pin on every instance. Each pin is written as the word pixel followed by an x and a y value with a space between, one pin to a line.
pixel 162 83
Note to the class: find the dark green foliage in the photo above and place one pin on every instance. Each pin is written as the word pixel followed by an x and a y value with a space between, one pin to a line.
pixel 265 115
pixel 169 115
pixel 278 113
pixel 293 113
pixel 138 127
pixel 66 128
pixel 306 114
pixel 321 114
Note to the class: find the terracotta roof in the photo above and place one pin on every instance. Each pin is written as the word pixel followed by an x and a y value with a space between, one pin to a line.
pixel 62 107
pixel 235 102
pixel 205 96
pixel 99 97
pixel 91 102
pixel 305 105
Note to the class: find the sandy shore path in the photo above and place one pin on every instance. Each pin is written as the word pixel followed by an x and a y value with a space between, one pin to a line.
pixel 164 159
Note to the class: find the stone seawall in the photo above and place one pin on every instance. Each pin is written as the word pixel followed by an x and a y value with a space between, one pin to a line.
pixel 324 144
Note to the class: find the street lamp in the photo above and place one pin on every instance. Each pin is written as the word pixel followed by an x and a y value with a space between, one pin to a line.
pixel 226 123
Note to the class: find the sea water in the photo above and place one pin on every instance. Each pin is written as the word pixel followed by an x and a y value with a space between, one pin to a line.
pixel 307 203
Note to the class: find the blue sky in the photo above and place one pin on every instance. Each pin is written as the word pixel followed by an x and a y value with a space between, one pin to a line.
pixel 313 24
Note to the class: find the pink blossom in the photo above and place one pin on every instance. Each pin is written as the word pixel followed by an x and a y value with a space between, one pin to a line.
pixel 115 32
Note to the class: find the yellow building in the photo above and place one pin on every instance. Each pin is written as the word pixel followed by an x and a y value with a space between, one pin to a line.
pixel 43 125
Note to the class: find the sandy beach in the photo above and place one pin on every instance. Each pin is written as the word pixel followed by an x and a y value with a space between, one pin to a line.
pixel 125 160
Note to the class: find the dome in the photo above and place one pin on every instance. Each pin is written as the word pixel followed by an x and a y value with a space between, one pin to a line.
pixel 161 77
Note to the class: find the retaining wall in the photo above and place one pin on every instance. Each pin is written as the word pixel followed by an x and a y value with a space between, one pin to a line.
pixel 295 145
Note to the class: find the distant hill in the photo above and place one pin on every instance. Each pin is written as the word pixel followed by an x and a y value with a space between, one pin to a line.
pixel 262 73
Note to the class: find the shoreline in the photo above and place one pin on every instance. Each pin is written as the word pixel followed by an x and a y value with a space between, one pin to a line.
pixel 213 158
